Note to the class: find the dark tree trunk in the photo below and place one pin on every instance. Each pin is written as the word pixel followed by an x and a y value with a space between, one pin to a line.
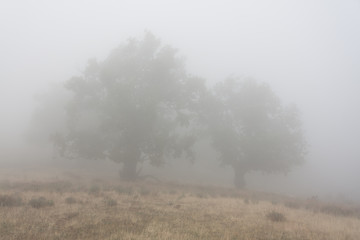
pixel 239 177
pixel 128 171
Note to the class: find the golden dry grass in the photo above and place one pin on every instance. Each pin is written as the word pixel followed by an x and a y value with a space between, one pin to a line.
pixel 112 210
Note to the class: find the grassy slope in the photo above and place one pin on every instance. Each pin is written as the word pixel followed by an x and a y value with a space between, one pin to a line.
pixel 95 209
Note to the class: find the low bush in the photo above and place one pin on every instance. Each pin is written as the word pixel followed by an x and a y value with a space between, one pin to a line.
pixel 70 200
pixel 94 190
pixel 292 204
pixel 10 201
pixel 110 202
pixel 41 202
pixel 336 210
pixel 276 216
pixel 144 191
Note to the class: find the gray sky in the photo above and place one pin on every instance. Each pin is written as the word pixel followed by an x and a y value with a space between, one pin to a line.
pixel 308 51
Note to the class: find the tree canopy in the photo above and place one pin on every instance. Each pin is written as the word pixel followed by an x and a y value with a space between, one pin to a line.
pixel 251 129
pixel 137 105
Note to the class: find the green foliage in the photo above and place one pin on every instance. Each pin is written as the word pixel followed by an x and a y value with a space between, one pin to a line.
pixel 251 130
pixel 137 105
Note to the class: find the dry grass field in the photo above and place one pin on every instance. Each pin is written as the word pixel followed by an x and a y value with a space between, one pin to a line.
pixel 76 208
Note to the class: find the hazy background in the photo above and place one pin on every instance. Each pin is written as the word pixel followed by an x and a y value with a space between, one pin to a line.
pixel 308 51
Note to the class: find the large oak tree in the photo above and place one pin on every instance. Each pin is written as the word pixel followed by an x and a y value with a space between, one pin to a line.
pixel 137 105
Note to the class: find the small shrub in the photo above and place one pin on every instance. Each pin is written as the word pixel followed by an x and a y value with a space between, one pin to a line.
pixel 58 186
pixel 110 202
pixel 276 216
pixel 41 202
pixel 10 201
pixel 336 210
pixel 144 191
pixel 246 201
pixel 71 215
pixel 94 190
pixel 70 200
pixel 292 204
pixel 7 227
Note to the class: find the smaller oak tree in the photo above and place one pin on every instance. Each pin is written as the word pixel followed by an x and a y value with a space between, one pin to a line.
pixel 251 130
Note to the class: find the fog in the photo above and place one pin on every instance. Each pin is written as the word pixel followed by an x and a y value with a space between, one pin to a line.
pixel 307 51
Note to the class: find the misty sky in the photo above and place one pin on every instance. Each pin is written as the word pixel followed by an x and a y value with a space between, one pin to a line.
pixel 307 50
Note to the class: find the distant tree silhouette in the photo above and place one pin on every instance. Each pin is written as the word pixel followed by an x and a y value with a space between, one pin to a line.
pixel 252 131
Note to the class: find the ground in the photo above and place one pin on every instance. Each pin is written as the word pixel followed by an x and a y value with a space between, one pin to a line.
pixel 71 206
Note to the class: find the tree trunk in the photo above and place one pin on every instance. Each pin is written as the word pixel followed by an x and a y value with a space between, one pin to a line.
pixel 239 177
pixel 128 171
